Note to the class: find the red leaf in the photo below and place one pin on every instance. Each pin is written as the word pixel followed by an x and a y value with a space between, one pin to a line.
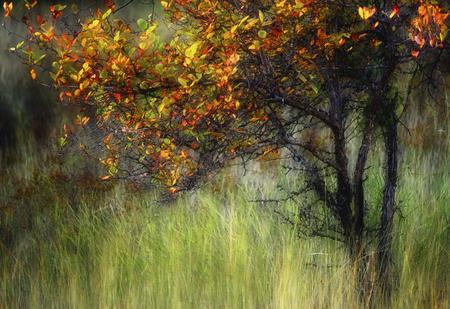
pixel 110 4
pixel 395 11
pixel 39 20
pixel 117 97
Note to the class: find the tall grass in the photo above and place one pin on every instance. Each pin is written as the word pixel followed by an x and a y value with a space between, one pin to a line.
pixel 71 242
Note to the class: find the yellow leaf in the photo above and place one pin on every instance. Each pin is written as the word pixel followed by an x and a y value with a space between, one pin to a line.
pixel 94 24
pixel 143 45
pixel 86 66
pixel 106 14
pixel 192 50
pixel 243 20
pixel 228 35
pixel 161 107
pixel 165 4
pixel 261 16
pixel 366 12
pixel 251 23
pixel 117 36
pixel 182 81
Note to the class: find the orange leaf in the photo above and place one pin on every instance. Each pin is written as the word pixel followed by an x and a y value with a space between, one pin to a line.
pixel 164 154
pixel 67 129
pixel 422 10
pixel 33 74
pixel 7 7
pixel 415 53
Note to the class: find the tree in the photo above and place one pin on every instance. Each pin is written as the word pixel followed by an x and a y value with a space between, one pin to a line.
pixel 243 78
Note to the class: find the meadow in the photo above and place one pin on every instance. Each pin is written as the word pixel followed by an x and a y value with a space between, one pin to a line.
pixel 72 241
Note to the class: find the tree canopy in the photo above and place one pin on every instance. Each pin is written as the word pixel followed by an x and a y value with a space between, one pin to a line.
pixel 227 69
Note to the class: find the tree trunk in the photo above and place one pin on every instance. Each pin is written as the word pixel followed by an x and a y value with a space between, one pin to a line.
pixel 343 190
pixel 388 206
pixel 358 183
pixel 358 249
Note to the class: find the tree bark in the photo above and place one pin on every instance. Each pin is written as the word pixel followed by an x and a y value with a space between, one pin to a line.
pixel 343 191
pixel 358 184
pixel 358 253
pixel 388 206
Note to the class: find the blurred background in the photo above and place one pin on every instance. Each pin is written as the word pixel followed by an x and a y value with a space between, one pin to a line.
pixel 30 112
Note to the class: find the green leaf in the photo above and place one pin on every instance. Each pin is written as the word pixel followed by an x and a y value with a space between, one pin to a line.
pixel 142 24
pixel 40 58
pixel 159 67
pixel 59 7
pixel 302 78
pixel 315 88
pixel 62 141
pixel 103 74
pixel 262 34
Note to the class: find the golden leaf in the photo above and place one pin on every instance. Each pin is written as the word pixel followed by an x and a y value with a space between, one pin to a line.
pixel 366 12
pixel 33 74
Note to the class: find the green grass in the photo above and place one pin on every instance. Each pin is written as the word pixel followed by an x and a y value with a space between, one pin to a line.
pixel 75 243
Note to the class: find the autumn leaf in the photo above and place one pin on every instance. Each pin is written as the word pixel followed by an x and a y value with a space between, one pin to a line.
pixel 82 120
pixel 110 4
pixel 56 10
pixel 117 96
pixel 7 7
pixel 106 14
pixel 394 12
pixel 164 154
pixel 422 10
pixel 261 16
pixel 39 20
pixel 366 12
pixel 29 5
pixel 165 4
pixel 33 74
pixel 67 129
pixel 192 50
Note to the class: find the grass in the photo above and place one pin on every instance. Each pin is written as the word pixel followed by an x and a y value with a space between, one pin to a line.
pixel 72 242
